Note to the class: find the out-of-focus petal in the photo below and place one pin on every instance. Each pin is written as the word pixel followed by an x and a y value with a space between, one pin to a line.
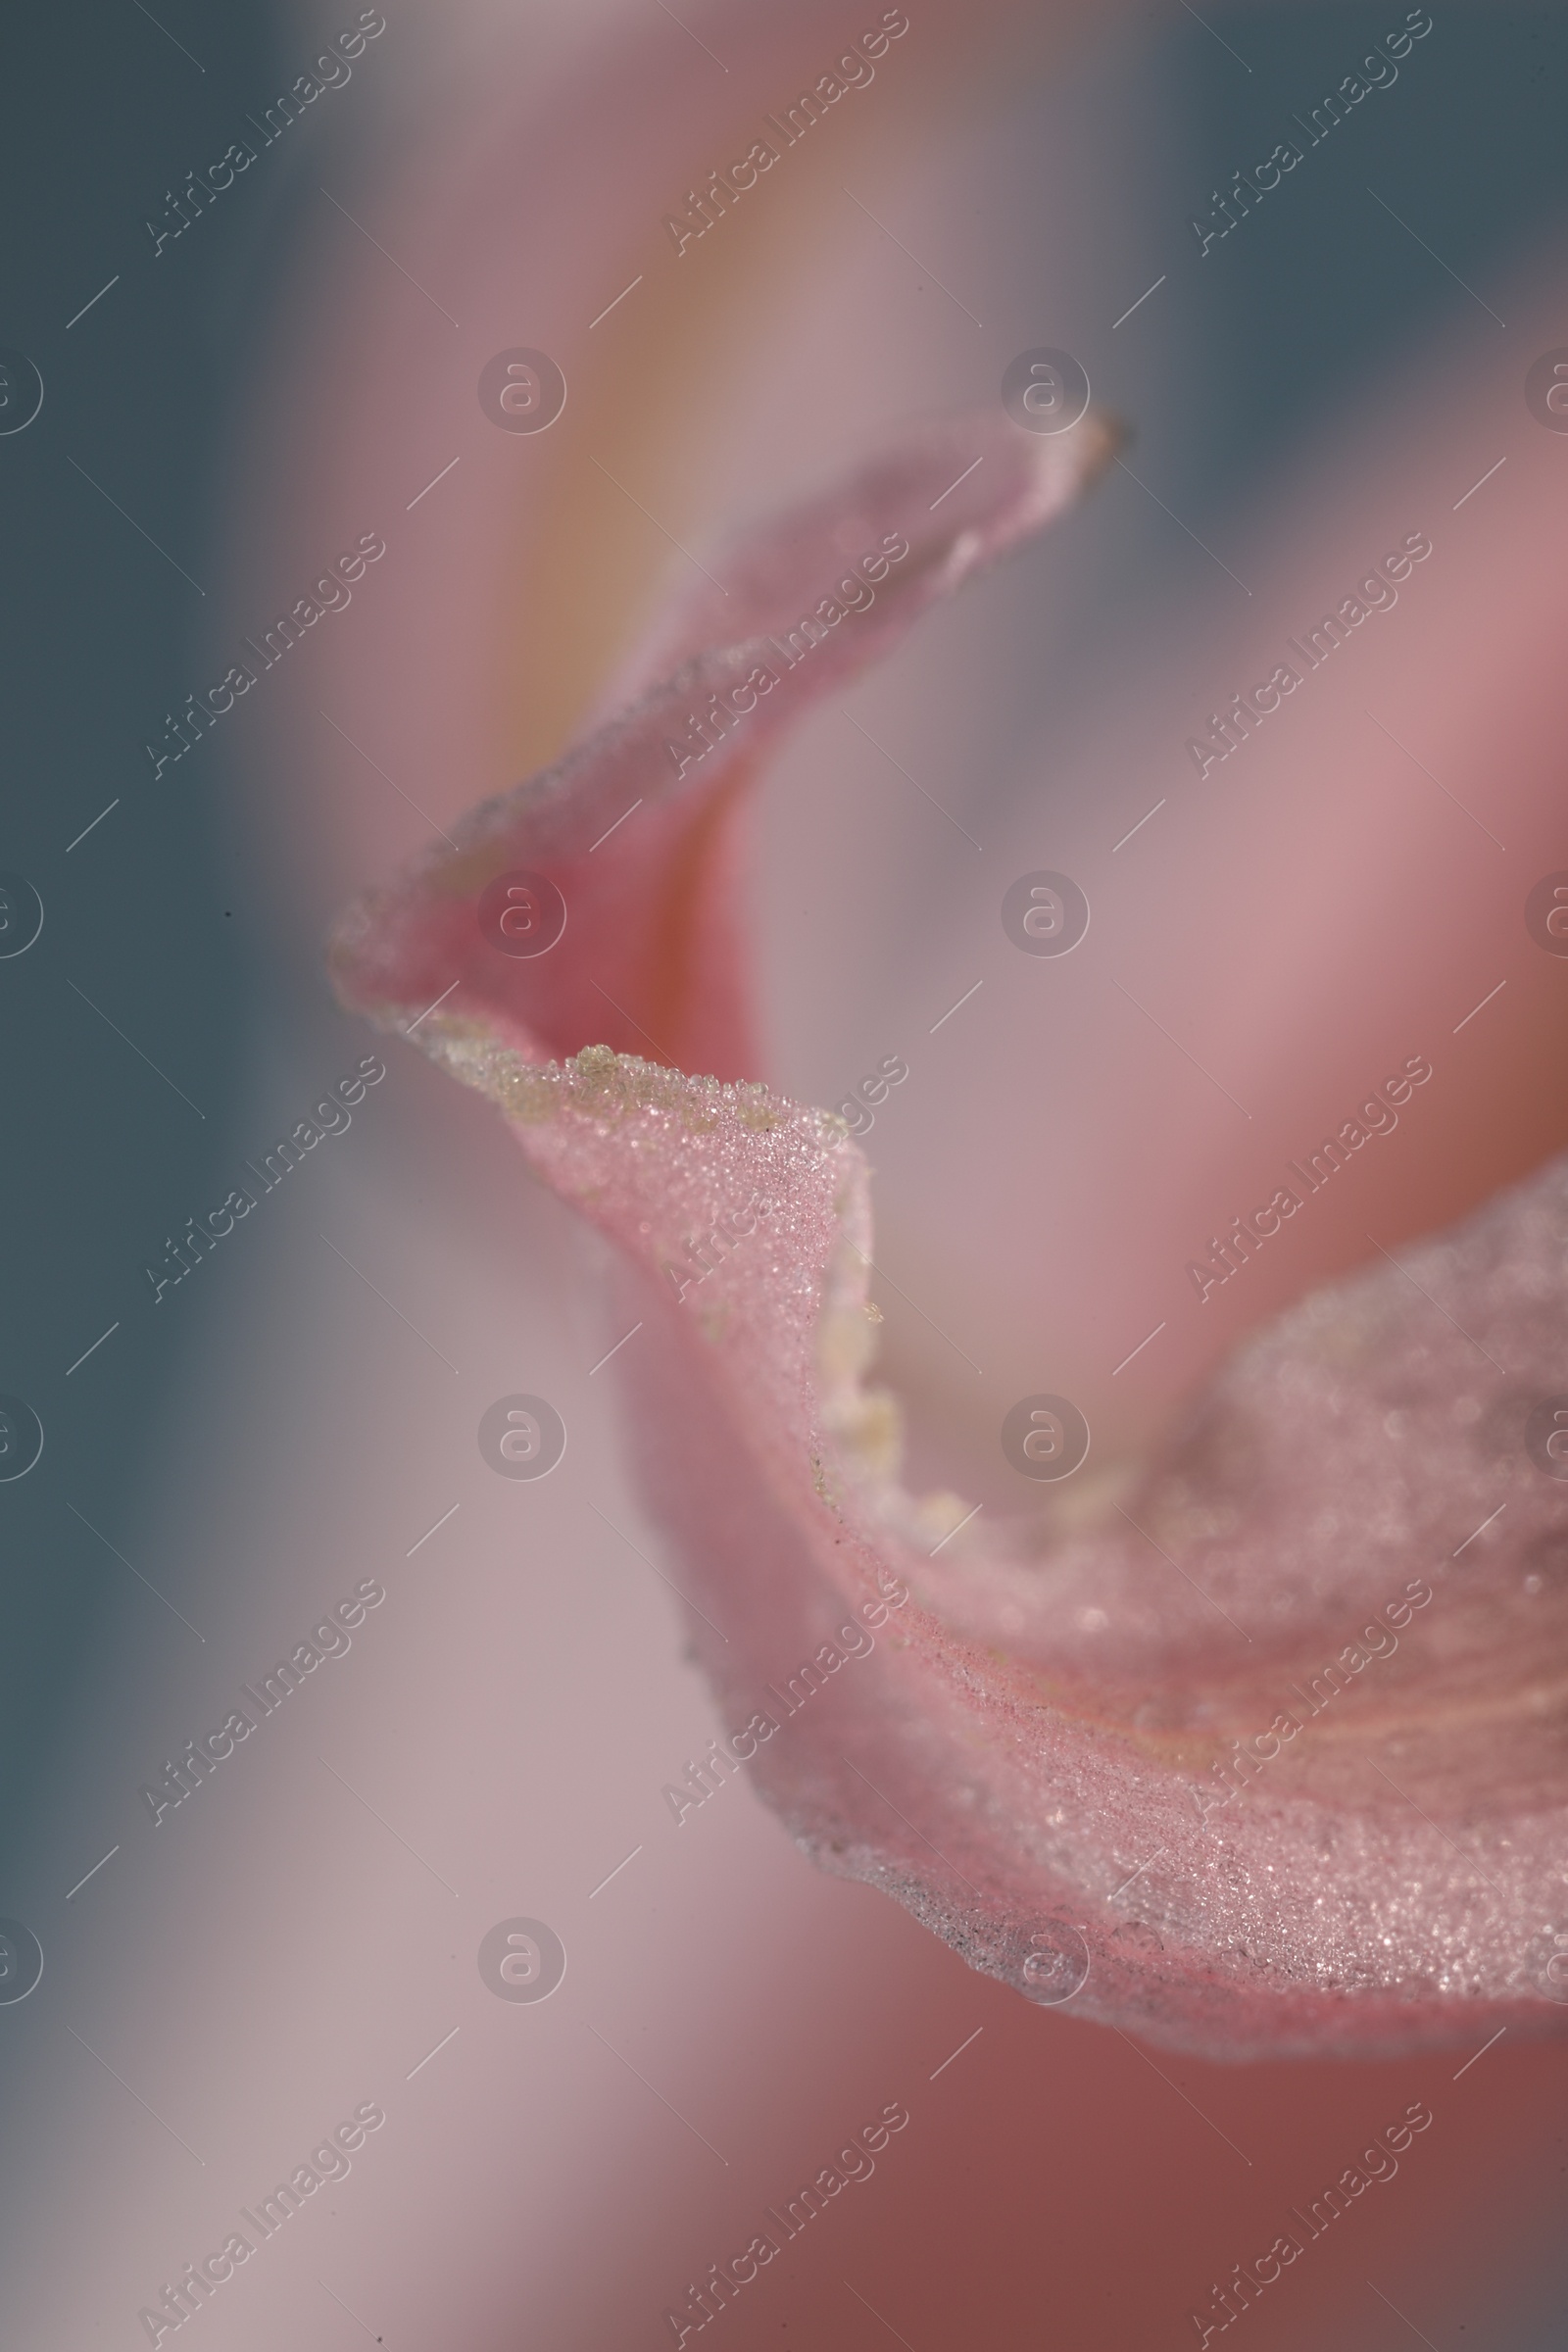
pixel 631 828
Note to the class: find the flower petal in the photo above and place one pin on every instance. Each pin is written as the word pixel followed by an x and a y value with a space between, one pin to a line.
pixel 1263 1754
pixel 632 827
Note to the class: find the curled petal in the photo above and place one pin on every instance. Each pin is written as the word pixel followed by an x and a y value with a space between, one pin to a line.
pixel 1260 1750
pixel 633 827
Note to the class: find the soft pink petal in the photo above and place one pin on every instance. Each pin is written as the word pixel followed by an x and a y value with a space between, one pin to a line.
pixel 648 959
pixel 1021 1752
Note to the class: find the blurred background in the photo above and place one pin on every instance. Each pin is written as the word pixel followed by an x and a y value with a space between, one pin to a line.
pixel 236 386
